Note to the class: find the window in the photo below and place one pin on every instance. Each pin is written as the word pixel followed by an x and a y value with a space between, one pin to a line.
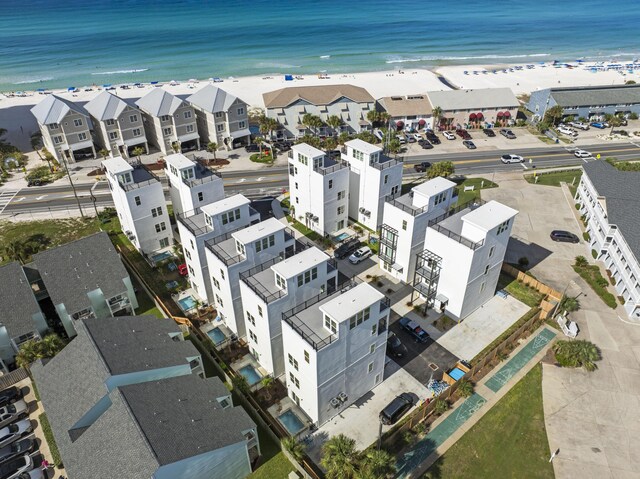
pixel 296 186
pixel 294 380
pixel 482 286
pixel 250 318
pixel 190 128
pixel 330 324
pixel 295 398
pixel 358 155
pixel 161 227
pixel 374 329
pixel 137 201
pixel 220 128
pixel 340 210
pixel 133 118
pixel 503 227
pixel 253 336
pixel 307 276
pixel 156 211
pixel 77 122
pixel 54 126
pixel 305 161
pixel 57 139
pixel 165 118
pixel 164 242
pixel 440 197
pixel 293 362
pixel 386 179
pixel 83 136
pixel 231 216
pixel 187 254
pixel 239 247
pixel 137 132
pixel 370 367
pixel 187 114
pixel 200 196
pixel 219 301
pixel 216 283
pixel 242 125
pixel 241 112
pixel 260 310
pixel 191 243
pixel 219 114
pixel 306 356
pixel 300 280
pixel 372 349
pixel 341 195
pixel 110 122
pixel 359 318
pixel 404 225
pixel 166 131
pixel 486 269
pixel 222 273
pixel 280 282
pixel 493 248
pixel 314 273
pixel 297 201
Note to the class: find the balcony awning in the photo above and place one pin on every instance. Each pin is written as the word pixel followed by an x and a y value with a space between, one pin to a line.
pixel 479 116
pixel 397 267
pixel 500 114
pixel 81 146
pixel 472 116
pixel 135 141
pixel 422 122
pixel 188 136
pixel 506 114
pixel 240 133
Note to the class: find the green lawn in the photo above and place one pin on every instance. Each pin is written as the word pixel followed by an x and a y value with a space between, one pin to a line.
pixel 478 184
pixel 570 177
pixel 508 441
pixel 591 274
pixel 145 304
pixel 309 233
pixel 276 466
pixel 520 291
pixel 48 435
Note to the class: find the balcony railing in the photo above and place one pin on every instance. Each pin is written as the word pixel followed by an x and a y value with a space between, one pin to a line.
pixel 385 303
pixel 471 204
pixel 456 237
pixel 140 184
pixel 412 210
pixel 331 169
pixel 388 163
pixel 187 221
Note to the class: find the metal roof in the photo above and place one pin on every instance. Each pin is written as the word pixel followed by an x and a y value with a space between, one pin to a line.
pixel 596 96
pixel 480 99
pixel 53 109
pixel 106 106
pixel 159 102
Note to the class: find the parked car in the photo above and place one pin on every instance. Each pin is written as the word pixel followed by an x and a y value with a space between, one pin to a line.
pixel 432 137
pixel 378 134
pixel 564 236
pixel 346 248
pixel 20 468
pixel 489 132
pixel 599 125
pixel 9 395
pixel 14 431
pixel 426 145
pixel 401 139
pixel 579 125
pixel 582 154
pixel 565 130
pixel 469 144
pixel 13 412
pixel 414 329
pixel 411 138
pixel 448 135
pixel 252 148
pixel 507 133
pixel 511 159
pixel 464 134
pixel 396 409
pixel 360 255
pixel 422 167
pixel 19 448
pixel 418 137
pixel 395 348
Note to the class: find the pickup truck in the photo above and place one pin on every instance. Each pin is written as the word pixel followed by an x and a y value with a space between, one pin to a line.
pixel 413 328
pixel 422 167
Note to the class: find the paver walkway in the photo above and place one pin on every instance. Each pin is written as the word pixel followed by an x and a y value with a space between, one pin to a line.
pixel 488 392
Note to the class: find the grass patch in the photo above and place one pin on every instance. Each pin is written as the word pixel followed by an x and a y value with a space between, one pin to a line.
pixel 520 291
pixel 276 466
pixel 478 184
pixel 591 274
pixel 265 158
pixel 145 303
pixel 48 435
pixel 508 441
pixel 624 165
pixel 444 323
pixel 546 139
pixel 309 233
pixel 554 178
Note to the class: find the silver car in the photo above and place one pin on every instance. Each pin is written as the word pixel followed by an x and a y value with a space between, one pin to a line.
pixel 14 431
pixel 13 412
pixel 360 255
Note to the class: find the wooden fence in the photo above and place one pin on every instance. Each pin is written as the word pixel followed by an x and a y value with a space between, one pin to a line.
pixel 552 296
pixel 9 379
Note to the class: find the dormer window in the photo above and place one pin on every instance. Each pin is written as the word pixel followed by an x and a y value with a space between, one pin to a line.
pixel 125 178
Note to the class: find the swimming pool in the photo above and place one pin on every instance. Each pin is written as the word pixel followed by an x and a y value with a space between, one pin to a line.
pixel 187 303
pixel 291 421
pixel 161 256
pixel 250 374
pixel 216 335
pixel 456 373
pixel 341 236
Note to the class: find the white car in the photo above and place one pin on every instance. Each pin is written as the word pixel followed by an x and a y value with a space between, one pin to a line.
pixel 580 125
pixel 14 431
pixel 418 136
pixel 511 159
pixel 360 255
pixel 582 154
pixel 401 139
pixel 13 412
pixel 567 131
pixel 448 135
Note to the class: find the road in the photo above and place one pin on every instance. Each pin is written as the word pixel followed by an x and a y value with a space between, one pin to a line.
pixel 264 182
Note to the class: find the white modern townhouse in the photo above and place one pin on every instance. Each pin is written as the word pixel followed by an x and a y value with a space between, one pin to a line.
pixel 348 102
pixel 463 254
pixel 222 118
pixel 372 177
pixel 334 348
pixel 609 200
pixel 170 123
pixel 118 124
pixel 138 196
pixel 191 184
pixel 404 225
pixel 274 287
pixel 319 189
pixel 206 223
pixel 65 128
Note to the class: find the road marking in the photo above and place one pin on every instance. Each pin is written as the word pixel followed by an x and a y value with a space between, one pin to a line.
pixel 5 198
pixel 524 166
pixel 260 178
pixel 22 198
pixel 41 197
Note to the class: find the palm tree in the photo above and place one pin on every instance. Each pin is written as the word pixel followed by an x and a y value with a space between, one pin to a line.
pixel 575 354
pixel 258 141
pixel 343 138
pixel 312 122
pixel 465 388
pixel 293 447
pixel 570 304
pixel 175 146
pixel 384 118
pixel 267 125
pixel 340 457
pixel 554 114
pixel 373 117
pixel 212 147
pixel 441 406
pixel 137 151
pixel 615 121
pixel 29 352
pixel 581 261
pixel 267 384
pixel 436 112
pixel 334 121
pixel 51 345
pixel 377 464
pixel 15 250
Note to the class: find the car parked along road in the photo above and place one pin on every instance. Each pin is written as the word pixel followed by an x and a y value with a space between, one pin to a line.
pixel 511 159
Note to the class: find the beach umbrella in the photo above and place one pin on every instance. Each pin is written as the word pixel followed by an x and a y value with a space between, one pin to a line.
pixel 71 88
pixel 106 85
pixel 40 89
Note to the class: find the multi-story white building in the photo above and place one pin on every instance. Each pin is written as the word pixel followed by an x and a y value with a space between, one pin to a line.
pixel 65 128
pixel 222 118
pixel 464 250
pixel 610 202
pixel 319 189
pixel 142 209
pixel 207 222
pixel 334 348
pixel 372 177
pixel 405 225
pixel 191 184
pixel 169 120
pixel 118 124
pixel 274 287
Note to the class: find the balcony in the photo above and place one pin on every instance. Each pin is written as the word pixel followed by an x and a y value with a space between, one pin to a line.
pixel 330 166
pixel 203 174
pixel 386 162
pixel 142 177
pixel 194 221
pixel 427 275
pixel 388 244
pixel 456 223
pixel 385 303
pixel 405 203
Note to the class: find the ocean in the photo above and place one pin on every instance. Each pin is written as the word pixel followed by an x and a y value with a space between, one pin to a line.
pixel 61 43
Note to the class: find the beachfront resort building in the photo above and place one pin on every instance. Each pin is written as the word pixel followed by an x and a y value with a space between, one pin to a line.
pixel 139 200
pixel 480 108
pixel 335 347
pixel 205 223
pixel 412 112
pixel 319 189
pixel 118 125
pixel 348 102
pixel 145 409
pixel 65 128
pixel 591 102
pixel 170 123
pixel 463 253
pixel 191 183
pixel 222 118
pixel 609 202
pixel 372 177
pixel 276 286
pixel 404 225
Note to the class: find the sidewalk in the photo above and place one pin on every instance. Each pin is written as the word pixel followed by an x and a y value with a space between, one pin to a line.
pixel 452 426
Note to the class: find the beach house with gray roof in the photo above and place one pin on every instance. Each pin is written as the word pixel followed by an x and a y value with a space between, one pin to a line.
pixel 118 124
pixel 609 201
pixel 222 118
pixel 169 121
pixel 65 128
pixel 348 102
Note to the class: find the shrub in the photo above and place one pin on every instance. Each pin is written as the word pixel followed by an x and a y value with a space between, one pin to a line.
pixel 576 354
pixel 581 261
pixel 586 236
pixel 523 261
pixel 613 280
pixel 441 406
pixel 48 434
pixel 633 116
pixel 294 448
pixel 578 206
pixel 602 282
pixel 621 300
pixel 594 253
pixel 570 304
pixel 465 388
pixel 408 437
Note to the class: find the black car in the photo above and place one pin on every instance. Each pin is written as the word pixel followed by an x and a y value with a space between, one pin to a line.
pixel 9 395
pixel 394 346
pixel 20 448
pixel 396 409
pixel 422 167
pixel 346 248
pixel 252 148
pixel 433 139
pixel 426 145
pixel 489 132
pixel 564 236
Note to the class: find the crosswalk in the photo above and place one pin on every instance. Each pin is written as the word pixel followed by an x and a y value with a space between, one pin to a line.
pixel 5 198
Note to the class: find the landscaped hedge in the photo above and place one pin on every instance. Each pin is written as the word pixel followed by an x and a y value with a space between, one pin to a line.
pixel 48 434
pixel 591 274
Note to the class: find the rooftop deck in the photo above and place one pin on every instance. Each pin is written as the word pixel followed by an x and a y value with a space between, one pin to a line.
pixel 405 203
pixel 203 173
pixel 142 177
pixel 450 224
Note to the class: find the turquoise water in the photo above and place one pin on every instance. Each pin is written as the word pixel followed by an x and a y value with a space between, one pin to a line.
pixel 59 43
pixel 187 303
pixel 216 335
pixel 250 374
pixel 291 421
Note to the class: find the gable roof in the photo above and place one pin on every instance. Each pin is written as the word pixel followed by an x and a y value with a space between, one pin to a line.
pixel 212 99
pixel 482 98
pixel 17 301
pixel 597 95
pixel 52 109
pixel 159 102
pixel 620 188
pixel 315 95
pixel 106 106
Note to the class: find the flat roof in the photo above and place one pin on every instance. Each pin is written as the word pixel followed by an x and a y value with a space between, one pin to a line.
pixel 479 99
pixel 350 302
pixel 300 262
pixel 259 230
pixel 434 186
pixel 307 150
pixel 117 165
pixel 226 204
pixel 363 146
pixel 489 215
pixel 179 161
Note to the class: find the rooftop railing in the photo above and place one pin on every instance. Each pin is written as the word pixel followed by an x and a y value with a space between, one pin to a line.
pixel 326 170
pixel 471 205
pixel 140 184
pixel 387 163
pixel 456 237
pixel 412 210
pixel 204 174
pixel 187 220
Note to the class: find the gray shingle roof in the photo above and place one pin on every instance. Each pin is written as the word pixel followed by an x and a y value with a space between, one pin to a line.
pixel 181 418
pixel 53 109
pixel 17 302
pixel 620 188
pixel 479 99
pixel 212 99
pixel 72 270
pixel 106 106
pixel 598 95
pixel 159 102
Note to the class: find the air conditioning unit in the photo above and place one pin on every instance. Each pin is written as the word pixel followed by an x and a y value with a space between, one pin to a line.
pixel 316 219
pixel 361 210
pixel 367 213
pixel 335 403
pixel 342 397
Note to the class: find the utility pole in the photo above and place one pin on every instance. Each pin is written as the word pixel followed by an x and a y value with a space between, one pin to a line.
pixel 66 167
